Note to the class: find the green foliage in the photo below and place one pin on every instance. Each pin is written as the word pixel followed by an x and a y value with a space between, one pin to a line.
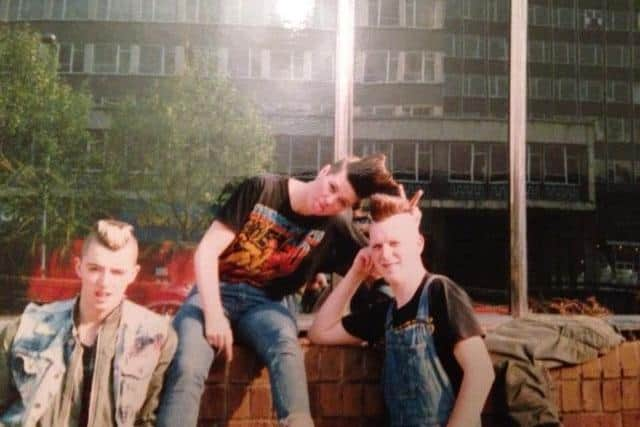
pixel 184 140
pixel 43 149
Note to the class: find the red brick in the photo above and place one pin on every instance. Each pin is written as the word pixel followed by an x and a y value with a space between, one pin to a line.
pixel 611 364
pixel 352 400
pixel 314 398
pixel 373 400
pixel 373 364
pixel 556 395
pixel 611 395
pixel 260 402
pixel 592 396
pixel 261 375
pixel 570 373
pixel 631 419
pixel 353 364
pixel 570 396
pixel 330 399
pixel 629 359
pixel 592 369
pixel 239 407
pixel 630 393
pixel 592 420
pixel 311 362
pixel 331 363
pixel 242 368
pixel 555 373
pixel 213 403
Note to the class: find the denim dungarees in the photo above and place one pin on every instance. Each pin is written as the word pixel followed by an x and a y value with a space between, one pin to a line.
pixel 417 390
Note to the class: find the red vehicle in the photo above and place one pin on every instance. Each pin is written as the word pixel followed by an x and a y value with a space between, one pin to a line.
pixel 166 277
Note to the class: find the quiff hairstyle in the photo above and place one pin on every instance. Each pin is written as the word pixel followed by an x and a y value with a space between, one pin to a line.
pixel 383 206
pixel 368 175
pixel 111 234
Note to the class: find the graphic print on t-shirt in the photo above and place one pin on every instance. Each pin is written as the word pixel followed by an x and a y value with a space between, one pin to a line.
pixel 267 246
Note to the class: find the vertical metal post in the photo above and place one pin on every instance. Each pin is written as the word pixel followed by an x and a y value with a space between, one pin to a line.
pixel 517 157
pixel 345 48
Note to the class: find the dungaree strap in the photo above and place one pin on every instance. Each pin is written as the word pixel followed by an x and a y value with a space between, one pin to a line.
pixel 423 307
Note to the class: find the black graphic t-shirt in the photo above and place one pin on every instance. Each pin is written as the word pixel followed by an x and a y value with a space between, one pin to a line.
pixel 275 248
pixel 449 308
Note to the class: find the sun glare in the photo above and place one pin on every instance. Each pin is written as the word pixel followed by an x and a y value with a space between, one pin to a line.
pixel 294 13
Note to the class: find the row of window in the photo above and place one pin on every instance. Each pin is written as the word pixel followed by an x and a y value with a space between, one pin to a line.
pixel 315 13
pixel 617 171
pixel 562 89
pixel 542 15
pixel 372 66
pixel 475 46
pixel 467 162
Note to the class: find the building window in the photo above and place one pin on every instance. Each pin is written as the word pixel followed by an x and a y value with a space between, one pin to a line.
pixel 365 148
pixel 474 85
pixel 70 58
pixel 618 91
pixel 419 67
pixel 404 160
pixel 420 13
pixel 453 45
pixel 325 14
pixel 554 164
pixel 287 65
pixel 540 88
pixel 301 155
pixel 534 162
pixel 618 56
pixel 539 51
pixel 574 162
pixel 105 58
pixel 424 161
pixel 590 54
pixel 539 15
pixel 244 63
pixel 593 19
pixel 473 46
pixel 460 161
pixel 322 66
pixel 380 66
pixel 498 86
pixel 498 10
pixel 453 85
pixel 156 60
pixel 498 48
pixel 384 13
pixel 210 11
pixel 618 130
pixel 29 9
pixel 566 89
pixel 620 172
pixel 564 53
pixel 75 9
pixel 419 110
pixel 591 91
pixel 499 163
pixel 565 18
pixel 618 20
pixel 473 9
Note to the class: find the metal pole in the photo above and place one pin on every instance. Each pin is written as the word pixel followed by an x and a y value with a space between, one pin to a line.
pixel 345 41
pixel 517 158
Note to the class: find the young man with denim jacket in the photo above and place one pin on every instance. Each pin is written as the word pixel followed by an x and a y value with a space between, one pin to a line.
pixel 437 371
pixel 95 360
pixel 268 240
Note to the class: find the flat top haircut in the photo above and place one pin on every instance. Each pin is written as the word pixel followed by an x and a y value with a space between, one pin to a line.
pixel 368 175
pixel 383 206
pixel 111 234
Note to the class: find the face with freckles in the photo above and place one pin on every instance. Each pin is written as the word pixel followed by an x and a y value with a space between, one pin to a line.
pixel 396 245
pixel 105 275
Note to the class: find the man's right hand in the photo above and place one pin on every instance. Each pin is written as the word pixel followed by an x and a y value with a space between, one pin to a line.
pixel 217 331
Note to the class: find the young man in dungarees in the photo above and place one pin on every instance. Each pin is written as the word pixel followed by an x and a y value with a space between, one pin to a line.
pixel 437 371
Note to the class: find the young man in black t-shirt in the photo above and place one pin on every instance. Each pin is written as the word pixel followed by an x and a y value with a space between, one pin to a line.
pixel 437 368
pixel 265 243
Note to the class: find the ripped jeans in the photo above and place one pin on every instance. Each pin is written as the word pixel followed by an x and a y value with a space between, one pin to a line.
pixel 265 325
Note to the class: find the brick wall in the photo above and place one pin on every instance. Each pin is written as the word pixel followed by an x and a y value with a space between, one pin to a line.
pixel 344 390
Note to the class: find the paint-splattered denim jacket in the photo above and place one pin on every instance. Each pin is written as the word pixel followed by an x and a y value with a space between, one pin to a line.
pixel 44 367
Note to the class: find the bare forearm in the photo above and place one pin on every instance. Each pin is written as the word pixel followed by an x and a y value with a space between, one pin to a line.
pixel 332 310
pixel 471 398
pixel 208 282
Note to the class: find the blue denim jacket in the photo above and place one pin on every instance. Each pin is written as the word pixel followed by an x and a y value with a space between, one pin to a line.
pixel 41 349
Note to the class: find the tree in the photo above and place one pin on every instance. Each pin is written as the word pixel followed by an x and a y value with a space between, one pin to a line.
pixel 184 140
pixel 47 193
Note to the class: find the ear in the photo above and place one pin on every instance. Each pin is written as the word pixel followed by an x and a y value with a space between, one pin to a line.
pixel 324 171
pixel 133 274
pixel 77 261
pixel 420 243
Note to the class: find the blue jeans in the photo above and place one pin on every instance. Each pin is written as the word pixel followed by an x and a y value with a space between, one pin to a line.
pixel 266 326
